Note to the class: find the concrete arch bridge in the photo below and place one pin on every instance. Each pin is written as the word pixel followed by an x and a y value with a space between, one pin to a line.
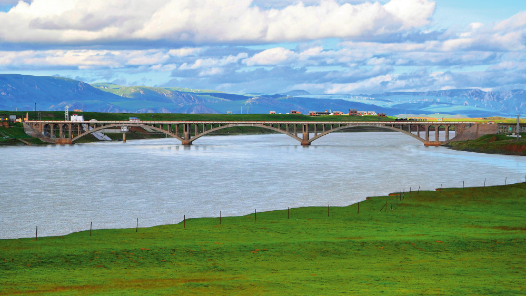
pixel 67 132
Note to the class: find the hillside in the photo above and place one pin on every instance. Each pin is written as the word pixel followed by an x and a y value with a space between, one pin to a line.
pixel 20 92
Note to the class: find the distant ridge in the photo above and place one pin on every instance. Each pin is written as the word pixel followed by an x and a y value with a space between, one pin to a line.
pixel 298 92
pixel 21 92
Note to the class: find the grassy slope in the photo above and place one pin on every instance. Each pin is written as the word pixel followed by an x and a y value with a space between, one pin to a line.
pixel 458 241
pixel 48 115
pixel 14 132
pixel 495 144
pixel 109 87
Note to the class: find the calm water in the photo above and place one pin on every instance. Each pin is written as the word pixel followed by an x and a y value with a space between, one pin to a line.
pixel 62 189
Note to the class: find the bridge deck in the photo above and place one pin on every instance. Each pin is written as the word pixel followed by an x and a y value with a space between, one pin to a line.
pixel 254 122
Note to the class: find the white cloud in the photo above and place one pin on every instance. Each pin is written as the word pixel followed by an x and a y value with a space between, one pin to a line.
pixel 182 52
pixel 212 62
pixel 96 21
pixel 83 59
pixel 270 56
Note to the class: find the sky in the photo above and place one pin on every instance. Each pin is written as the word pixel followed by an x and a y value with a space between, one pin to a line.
pixel 270 46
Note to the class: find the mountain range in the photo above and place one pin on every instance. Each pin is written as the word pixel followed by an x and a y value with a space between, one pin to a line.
pixel 21 92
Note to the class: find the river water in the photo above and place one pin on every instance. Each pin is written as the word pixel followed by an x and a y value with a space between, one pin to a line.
pixel 61 189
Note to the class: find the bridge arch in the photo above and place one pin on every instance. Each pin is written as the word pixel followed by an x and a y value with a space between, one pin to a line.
pixel 253 125
pixel 120 125
pixel 366 125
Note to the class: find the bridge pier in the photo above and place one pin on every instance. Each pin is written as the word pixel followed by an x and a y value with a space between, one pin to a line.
pixel 305 139
pixel 447 132
pixel 426 127
pixel 437 132
pixel 186 140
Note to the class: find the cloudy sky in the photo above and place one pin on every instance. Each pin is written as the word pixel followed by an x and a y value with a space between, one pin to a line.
pixel 269 46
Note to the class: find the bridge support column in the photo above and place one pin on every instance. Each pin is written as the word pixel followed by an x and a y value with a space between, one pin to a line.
pixel 315 130
pixel 51 130
pixel 418 130
pixel 305 139
pixel 295 130
pixel 70 135
pixel 124 137
pixel 437 132
pixel 447 132
pixel 426 130
pixel 61 131
pixel 186 138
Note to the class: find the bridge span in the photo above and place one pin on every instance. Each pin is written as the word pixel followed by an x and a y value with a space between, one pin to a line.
pixel 67 132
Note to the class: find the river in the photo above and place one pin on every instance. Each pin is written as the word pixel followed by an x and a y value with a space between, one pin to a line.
pixel 61 189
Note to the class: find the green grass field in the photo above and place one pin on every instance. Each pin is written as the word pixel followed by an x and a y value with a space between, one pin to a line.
pixel 458 242
pixel 494 144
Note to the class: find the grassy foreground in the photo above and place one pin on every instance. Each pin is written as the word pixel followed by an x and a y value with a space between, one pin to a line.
pixel 458 241
pixel 494 144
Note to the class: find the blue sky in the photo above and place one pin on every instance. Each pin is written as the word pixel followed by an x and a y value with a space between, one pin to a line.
pixel 271 46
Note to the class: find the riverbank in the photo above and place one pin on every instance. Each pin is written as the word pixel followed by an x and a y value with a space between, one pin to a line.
pixel 493 144
pixel 454 241
pixel 14 135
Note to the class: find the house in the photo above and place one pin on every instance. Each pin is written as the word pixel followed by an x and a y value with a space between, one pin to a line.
pixel 272 112
pixel 134 119
pixel 371 113
pixel 228 112
pixel 77 110
pixel 76 117
pixel 381 115
pixel 362 113
pixel 294 112
pixel 337 113
pixel 353 112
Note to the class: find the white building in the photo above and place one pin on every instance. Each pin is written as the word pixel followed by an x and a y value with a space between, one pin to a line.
pixel 76 117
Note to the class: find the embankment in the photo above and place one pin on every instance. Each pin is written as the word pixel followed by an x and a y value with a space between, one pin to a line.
pixel 493 144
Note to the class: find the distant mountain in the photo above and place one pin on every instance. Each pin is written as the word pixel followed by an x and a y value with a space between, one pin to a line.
pixel 468 101
pixel 50 93
pixel 298 92
pixel 54 93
